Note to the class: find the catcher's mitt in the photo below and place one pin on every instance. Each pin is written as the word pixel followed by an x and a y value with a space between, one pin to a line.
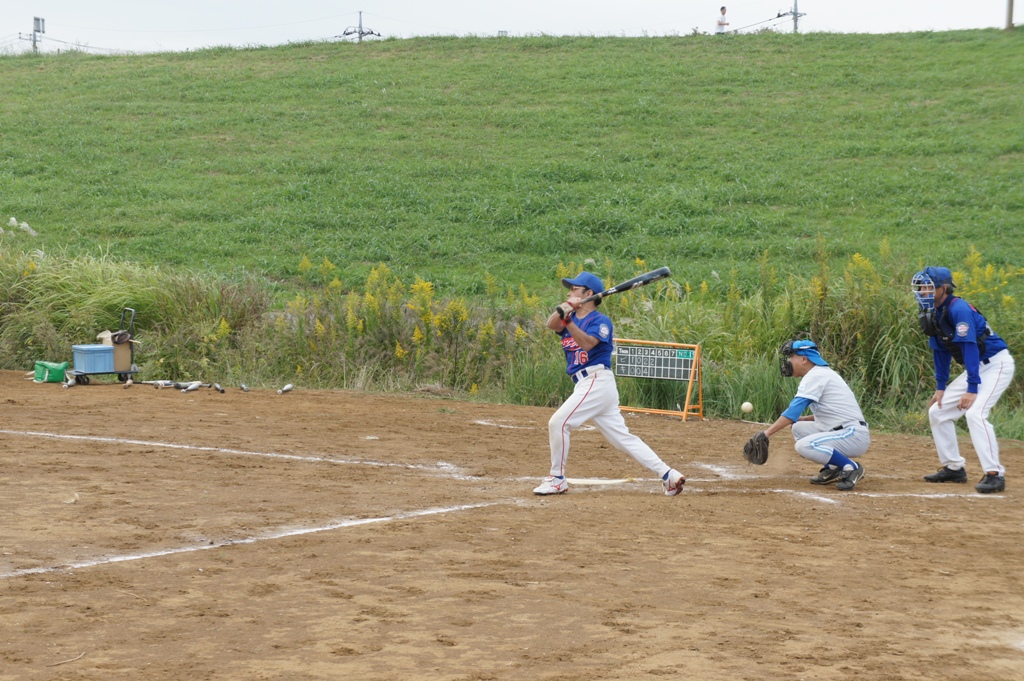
pixel 756 449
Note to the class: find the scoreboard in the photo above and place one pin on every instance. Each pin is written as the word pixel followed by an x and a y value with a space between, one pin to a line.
pixel 673 364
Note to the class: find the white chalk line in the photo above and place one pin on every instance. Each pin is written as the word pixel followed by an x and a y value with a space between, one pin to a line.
pixel 280 534
pixel 501 425
pixel 724 473
pixel 727 490
pixel 814 496
pixel 951 495
pixel 439 466
pixel 599 481
pixel 492 424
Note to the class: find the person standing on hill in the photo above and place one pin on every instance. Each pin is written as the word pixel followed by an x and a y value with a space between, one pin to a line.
pixel 836 433
pixel 586 337
pixel 956 330
pixel 721 23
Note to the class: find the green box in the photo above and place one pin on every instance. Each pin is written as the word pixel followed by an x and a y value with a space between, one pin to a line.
pixel 50 372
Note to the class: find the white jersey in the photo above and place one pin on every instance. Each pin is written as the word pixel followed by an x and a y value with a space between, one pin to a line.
pixel 832 401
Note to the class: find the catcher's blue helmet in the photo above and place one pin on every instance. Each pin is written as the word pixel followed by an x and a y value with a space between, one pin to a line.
pixel 926 281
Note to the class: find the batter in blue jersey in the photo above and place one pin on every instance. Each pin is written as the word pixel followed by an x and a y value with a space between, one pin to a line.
pixel 586 337
pixel 595 325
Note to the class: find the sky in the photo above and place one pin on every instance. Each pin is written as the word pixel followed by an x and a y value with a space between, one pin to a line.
pixel 115 26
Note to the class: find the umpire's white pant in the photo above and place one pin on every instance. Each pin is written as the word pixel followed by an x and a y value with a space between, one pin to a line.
pixel 817 442
pixel 995 378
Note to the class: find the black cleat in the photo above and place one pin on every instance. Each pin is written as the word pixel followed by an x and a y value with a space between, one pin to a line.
pixel 826 476
pixel 850 478
pixel 947 474
pixel 992 482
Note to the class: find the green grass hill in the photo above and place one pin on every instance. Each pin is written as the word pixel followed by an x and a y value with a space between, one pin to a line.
pixel 448 158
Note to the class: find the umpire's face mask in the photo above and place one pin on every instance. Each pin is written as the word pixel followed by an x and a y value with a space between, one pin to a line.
pixel 785 365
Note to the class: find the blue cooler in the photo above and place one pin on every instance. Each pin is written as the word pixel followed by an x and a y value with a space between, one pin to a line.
pixel 94 359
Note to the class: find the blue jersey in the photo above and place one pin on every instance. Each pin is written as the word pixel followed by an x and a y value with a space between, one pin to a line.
pixel 966 336
pixel 594 324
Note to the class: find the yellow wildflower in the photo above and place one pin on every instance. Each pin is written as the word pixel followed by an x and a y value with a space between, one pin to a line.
pixel 326 267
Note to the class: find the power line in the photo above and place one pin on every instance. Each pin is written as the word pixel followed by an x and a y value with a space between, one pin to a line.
pixel 86 47
pixel 756 23
pixel 205 30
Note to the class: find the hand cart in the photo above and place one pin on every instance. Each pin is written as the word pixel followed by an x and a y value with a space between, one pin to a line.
pixel 92 360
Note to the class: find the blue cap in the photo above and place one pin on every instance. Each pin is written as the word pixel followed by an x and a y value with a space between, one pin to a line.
pixel 808 349
pixel 939 276
pixel 586 280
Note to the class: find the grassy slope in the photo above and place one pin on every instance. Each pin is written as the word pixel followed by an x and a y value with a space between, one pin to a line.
pixel 450 157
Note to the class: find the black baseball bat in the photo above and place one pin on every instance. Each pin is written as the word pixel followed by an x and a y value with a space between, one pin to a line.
pixel 635 282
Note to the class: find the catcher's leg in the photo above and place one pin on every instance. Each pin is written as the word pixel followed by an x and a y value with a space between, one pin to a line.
pixel 834 449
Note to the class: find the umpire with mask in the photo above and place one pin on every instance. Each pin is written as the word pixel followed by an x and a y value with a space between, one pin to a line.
pixel 956 330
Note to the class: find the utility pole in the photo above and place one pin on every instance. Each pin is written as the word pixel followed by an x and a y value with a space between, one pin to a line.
pixel 38 28
pixel 796 14
pixel 1009 15
pixel 358 31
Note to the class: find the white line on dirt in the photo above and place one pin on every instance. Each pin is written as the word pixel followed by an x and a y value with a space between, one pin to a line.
pixel 599 481
pixel 439 466
pixel 726 490
pixel 952 495
pixel 501 425
pixel 279 534
pixel 492 424
pixel 723 472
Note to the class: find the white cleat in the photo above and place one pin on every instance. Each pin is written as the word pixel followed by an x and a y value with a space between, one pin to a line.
pixel 552 485
pixel 673 484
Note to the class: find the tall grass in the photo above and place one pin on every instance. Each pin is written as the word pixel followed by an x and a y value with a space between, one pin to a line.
pixel 394 335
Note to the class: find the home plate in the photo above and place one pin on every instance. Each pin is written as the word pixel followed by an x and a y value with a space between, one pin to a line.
pixel 598 481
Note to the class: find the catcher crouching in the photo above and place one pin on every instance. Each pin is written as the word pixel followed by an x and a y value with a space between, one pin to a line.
pixel 834 434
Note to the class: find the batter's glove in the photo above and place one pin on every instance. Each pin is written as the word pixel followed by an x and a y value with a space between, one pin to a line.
pixel 564 310
pixel 756 449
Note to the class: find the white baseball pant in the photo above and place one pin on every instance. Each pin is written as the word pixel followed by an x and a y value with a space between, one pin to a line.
pixel 596 398
pixel 995 379
pixel 816 442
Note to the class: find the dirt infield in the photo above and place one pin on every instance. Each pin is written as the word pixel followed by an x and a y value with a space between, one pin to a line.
pixel 331 535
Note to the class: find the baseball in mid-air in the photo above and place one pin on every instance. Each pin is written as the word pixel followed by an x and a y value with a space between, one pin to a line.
pixel 747 407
